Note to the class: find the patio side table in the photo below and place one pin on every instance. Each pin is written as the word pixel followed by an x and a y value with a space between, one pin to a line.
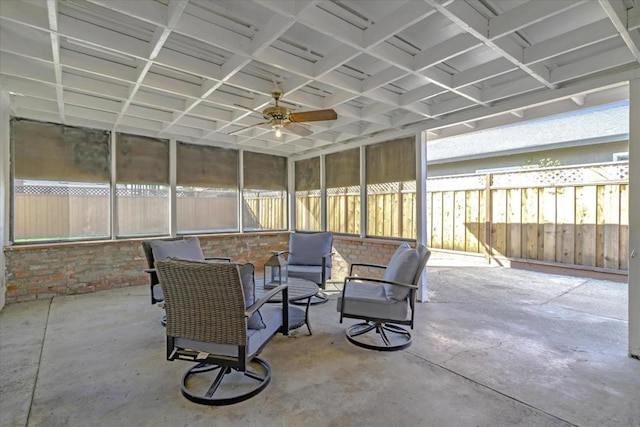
pixel 299 290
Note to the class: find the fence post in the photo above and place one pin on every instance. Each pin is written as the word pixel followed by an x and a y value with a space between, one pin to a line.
pixel 488 219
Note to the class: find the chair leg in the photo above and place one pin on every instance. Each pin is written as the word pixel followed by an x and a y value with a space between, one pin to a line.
pixel 388 337
pixel 220 391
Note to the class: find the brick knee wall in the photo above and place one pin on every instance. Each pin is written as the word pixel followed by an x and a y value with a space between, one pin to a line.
pixel 45 271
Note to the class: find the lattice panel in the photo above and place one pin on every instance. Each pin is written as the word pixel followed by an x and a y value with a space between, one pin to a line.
pixel 452 183
pixel 562 176
pixel 61 191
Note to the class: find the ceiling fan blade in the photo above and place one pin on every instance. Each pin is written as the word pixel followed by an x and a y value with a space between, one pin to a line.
pixel 297 129
pixel 313 116
pixel 249 127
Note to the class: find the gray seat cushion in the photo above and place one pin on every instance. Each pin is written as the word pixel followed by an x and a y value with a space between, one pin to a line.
pixel 188 249
pixel 249 288
pixel 309 248
pixel 369 301
pixel 402 268
pixel 272 316
pixel 308 272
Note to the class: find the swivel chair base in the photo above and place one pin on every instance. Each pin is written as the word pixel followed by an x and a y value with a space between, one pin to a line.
pixel 221 392
pixel 388 337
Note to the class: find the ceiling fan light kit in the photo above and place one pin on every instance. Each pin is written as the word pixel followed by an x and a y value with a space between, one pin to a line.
pixel 279 117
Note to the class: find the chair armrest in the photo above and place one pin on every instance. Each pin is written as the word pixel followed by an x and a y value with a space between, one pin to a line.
pixel 365 264
pixel 150 270
pixel 266 297
pixel 221 258
pixel 375 280
pixel 277 253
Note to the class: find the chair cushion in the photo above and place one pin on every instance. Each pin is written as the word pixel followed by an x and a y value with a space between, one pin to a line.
pixel 370 302
pixel 188 249
pixel 247 276
pixel 256 338
pixel 309 272
pixel 402 268
pixel 309 248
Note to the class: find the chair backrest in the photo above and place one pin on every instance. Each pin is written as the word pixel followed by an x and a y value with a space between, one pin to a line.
pixel 309 248
pixel 424 255
pixel 148 254
pixel 204 301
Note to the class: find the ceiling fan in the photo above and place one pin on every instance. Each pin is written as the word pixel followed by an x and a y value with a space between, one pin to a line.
pixel 279 117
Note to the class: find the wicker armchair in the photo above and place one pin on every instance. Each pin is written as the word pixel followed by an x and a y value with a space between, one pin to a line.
pixel 178 247
pixel 207 323
pixel 384 303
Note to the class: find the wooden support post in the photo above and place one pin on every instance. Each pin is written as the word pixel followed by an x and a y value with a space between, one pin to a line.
pixel 634 212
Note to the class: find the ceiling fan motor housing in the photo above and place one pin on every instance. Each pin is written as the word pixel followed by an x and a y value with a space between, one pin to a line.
pixel 277 113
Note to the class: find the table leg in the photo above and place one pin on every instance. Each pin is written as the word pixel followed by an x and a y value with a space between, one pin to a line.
pixel 306 316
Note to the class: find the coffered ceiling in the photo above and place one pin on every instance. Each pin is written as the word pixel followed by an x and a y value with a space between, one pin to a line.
pixel 201 71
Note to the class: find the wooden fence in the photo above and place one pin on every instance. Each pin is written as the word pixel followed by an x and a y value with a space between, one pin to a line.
pixel 567 215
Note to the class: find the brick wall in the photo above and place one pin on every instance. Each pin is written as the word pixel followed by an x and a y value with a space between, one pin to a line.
pixel 44 271
pixel 351 249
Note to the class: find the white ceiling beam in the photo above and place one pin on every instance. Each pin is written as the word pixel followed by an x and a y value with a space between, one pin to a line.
pixel 420 94
pixel 26 87
pixel 334 59
pixel 419 108
pixel 519 113
pixel 149 11
pixel 189 64
pixel 89 114
pixel 451 106
pixel 633 18
pixel 98 66
pixel 384 77
pixel 94 86
pixel 338 97
pixel 448 49
pixel 513 88
pixel 576 39
pixel 527 14
pixel 395 22
pixel 482 72
pixel 617 13
pixel 536 99
pixel 215 35
pixel 91 101
pixel 31 14
pixel 52 12
pixel 592 64
pixel 18 66
pixel 470 20
pixel 579 99
pixel 331 25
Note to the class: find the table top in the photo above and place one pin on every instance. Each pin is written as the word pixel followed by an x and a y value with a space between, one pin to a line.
pixel 299 289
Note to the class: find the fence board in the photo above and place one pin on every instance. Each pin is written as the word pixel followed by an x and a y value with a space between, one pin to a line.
pixel 437 221
pixel 548 211
pixel 499 222
pixel 459 228
pixel 565 217
pixel 624 227
pixel 448 207
pixel 600 220
pixel 611 226
pixel 514 222
pixel 472 221
pixel 585 221
pixel 529 244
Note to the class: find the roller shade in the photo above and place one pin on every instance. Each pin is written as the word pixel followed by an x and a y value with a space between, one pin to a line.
pixel 264 171
pixel 308 174
pixel 391 161
pixel 343 169
pixel 141 160
pixel 53 152
pixel 205 166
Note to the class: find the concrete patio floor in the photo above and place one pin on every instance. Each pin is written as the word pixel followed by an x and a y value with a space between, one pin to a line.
pixel 494 347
